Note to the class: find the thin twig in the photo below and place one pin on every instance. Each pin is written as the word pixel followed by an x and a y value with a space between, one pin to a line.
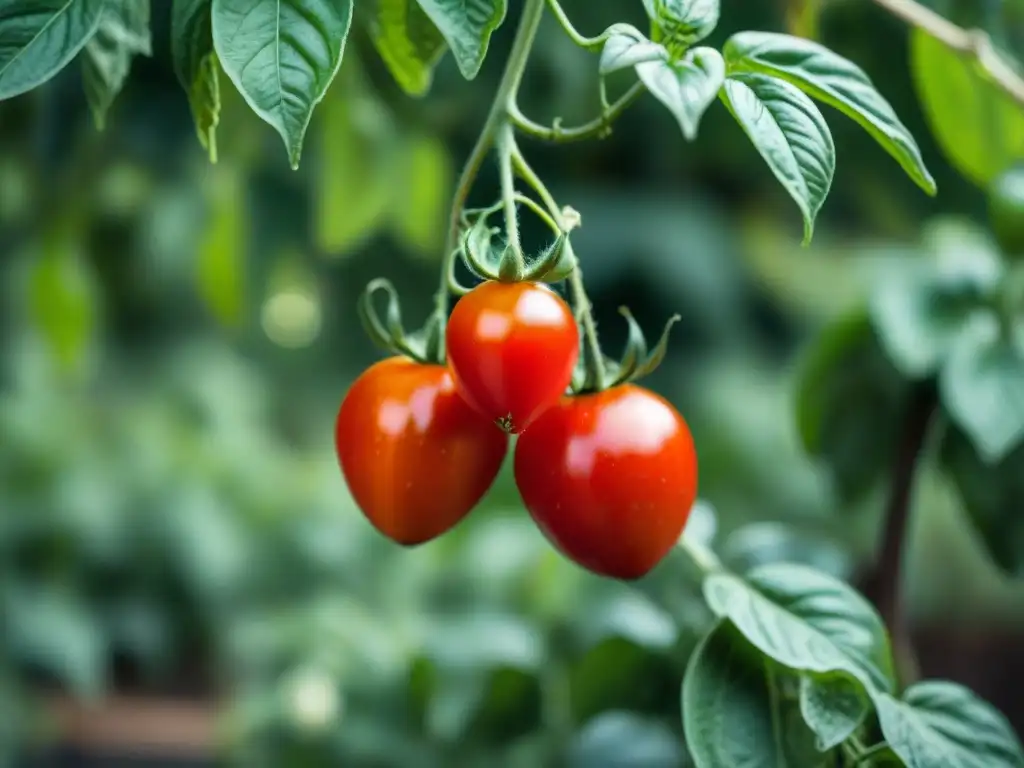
pixel 969 42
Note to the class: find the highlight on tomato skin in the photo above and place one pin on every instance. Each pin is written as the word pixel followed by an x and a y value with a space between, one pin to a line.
pixel 609 478
pixel 415 457
pixel 512 348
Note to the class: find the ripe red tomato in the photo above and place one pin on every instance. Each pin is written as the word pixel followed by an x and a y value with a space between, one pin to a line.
pixel 416 458
pixel 610 478
pixel 512 348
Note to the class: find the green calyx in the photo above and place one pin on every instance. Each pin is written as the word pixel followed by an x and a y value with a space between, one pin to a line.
pixel 425 345
pixel 635 363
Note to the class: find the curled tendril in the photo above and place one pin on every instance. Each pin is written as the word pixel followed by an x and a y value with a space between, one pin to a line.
pixel 454 286
pixel 390 334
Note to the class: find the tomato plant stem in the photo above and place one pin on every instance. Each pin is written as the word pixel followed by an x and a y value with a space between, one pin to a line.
pixel 591 129
pixel 886 585
pixel 587 43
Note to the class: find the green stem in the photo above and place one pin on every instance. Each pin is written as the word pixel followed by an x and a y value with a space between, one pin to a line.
pixel 599 126
pixel 508 189
pixel 587 43
pixel 508 87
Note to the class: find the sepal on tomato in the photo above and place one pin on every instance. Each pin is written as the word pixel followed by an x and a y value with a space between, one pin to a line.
pixel 555 263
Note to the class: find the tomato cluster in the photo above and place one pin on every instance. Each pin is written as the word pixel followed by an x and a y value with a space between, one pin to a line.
pixel 609 477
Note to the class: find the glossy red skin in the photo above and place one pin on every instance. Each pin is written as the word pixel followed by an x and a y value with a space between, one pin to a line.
pixel 610 479
pixel 415 457
pixel 512 348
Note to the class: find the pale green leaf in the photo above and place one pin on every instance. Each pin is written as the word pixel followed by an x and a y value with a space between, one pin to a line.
pixel 982 387
pixel 63 300
pixel 625 47
pixel 829 77
pixel 734 712
pixel 618 739
pixel 420 208
pixel 220 264
pixel 407 41
pixel 788 130
pixel 686 87
pixel 282 55
pixel 39 37
pixel 467 25
pixel 197 68
pixel 979 128
pixel 805 620
pixel 681 23
pixel 940 723
pixel 833 706
pixel 107 59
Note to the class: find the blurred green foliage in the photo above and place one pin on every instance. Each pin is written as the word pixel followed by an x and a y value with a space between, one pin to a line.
pixel 177 337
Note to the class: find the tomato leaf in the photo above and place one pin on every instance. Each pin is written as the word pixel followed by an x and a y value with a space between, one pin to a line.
pixel 686 87
pixel 626 47
pixel 467 25
pixel 282 55
pixel 805 620
pixel 833 707
pixel 982 388
pixel 979 128
pixel 220 269
pixel 829 77
pixel 197 67
pixel 733 711
pixel 123 32
pixel 39 37
pixel 681 23
pixel 849 402
pixel 408 42
pixel 943 723
pixel 790 133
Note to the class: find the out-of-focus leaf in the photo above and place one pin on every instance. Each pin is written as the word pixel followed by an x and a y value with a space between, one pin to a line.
pixel 422 195
pixel 223 249
pixel 761 543
pixel 408 42
pixel 618 739
pixel 467 25
pixel 978 126
pixel 122 34
pixel 619 673
pixel 197 67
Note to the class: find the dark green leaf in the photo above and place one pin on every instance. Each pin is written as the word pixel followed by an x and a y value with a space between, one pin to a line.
pixel 197 67
pixel 978 126
pixel 681 23
pixel 282 55
pixel 467 25
pixel 791 135
pixel 805 620
pixel 618 739
pixel 123 32
pixel 942 723
pixel 408 42
pixel 982 388
pixel 827 76
pixel 687 87
pixel 39 37
pixel 735 713
pixel 625 47
pixel 620 672
pixel 992 494
pixel 833 706
pixel 850 400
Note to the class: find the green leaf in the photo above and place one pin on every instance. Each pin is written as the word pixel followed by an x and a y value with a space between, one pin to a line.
pixel 123 32
pixel 221 257
pixel 791 135
pixel 618 739
pixel 829 77
pixel 992 495
pixel 39 37
pixel 282 55
pixel 407 41
pixel 681 23
pixel 686 87
pixel 919 310
pixel 982 388
pixel 735 713
pixel 806 621
pixel 833 707
pixel 467 25
pixel 197 67
pixel 63 302
pixel 943 723
pixel 420 205
pixel 849 402
pixel 979 128
pixel 625 47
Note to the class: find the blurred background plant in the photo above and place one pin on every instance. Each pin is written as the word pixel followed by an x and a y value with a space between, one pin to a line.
pixel 178 335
